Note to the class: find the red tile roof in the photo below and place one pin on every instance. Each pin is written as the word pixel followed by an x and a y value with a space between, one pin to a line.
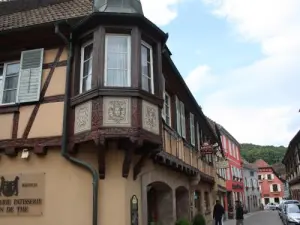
pixel 261 163
pixel 50 13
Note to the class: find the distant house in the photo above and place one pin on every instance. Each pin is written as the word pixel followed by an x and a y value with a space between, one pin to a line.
pixel 251 186
pixel 270 184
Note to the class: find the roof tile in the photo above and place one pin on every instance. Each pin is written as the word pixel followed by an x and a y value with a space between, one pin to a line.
pixel 51 13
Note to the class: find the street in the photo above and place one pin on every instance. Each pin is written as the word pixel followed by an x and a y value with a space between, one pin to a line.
pixel 260 218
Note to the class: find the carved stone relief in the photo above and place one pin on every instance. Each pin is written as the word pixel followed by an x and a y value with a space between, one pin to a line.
pixel 83 113
pixel 150 117
pixel 116 112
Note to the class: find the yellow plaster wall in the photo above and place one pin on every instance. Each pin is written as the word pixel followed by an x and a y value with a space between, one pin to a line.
pixel 49 55
pixel 48 121
pixel 6 125
pixel 68 192
pixel 57 83
pixel 25 112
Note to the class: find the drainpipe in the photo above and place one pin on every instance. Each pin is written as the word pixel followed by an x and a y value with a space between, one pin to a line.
pixel 64 149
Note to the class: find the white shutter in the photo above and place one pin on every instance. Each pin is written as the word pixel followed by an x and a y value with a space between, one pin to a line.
pixel 183 127
pixel 192 129
pixel 272 176
pixel 266 176
pixel 163 114
pixel 31 68
pixel 1 87
pixel 198 135
pixel 178 116
pixel 279 187
pixel 271 188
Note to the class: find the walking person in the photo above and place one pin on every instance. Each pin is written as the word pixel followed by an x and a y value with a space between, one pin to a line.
pixel 218 213
pixel 239 214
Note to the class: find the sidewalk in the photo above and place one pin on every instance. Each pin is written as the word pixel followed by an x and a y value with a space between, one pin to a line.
pixel 233 222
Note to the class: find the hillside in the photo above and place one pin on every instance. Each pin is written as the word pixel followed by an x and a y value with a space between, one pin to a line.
pixel 269 153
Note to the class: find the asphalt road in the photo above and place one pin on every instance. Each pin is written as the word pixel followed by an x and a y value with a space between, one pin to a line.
pixel 265 217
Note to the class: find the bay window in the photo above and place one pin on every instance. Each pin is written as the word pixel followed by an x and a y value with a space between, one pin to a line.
pixel 147 68
pixel 86 67
pixel 117 60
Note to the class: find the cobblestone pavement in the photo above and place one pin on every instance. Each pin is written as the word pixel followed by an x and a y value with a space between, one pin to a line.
pixel 265 217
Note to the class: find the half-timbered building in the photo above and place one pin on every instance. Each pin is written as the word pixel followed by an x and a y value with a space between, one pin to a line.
pixel 97 124
pixel 291 161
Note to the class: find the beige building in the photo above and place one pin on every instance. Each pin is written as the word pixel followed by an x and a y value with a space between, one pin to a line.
pixel 97 124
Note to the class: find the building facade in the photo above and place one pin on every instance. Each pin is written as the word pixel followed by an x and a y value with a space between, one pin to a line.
pixel 234 173
pixel 271 186
pixel 97 119
pixel 251 187
pixel 291 161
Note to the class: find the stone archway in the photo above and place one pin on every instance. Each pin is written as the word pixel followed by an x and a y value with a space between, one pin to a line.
pixel 182 202
pixel 159 203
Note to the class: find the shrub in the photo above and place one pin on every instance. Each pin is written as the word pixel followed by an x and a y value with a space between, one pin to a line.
pixel 199 220
pixel 182 222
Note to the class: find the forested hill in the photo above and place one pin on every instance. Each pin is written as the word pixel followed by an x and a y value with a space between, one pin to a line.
pixel 269 153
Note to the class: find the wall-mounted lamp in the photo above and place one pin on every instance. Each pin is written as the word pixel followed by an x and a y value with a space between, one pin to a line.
pixel 25 154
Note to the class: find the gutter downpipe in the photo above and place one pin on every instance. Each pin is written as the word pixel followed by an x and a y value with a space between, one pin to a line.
pixel 64 148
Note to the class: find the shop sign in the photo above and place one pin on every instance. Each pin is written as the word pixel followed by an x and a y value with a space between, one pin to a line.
pixel 22 194
pixel 206 148
pixel 222 164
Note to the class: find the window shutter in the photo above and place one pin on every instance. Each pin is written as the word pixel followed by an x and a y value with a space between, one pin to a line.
pixel 192 129
pixel 266 176
pixel 178 116
pixel 163 114
pixel 183 127
pixel 272 176
pixel 1 88
pixel 279 187
pixel 271 188
pixel 31 68
pixel 198 136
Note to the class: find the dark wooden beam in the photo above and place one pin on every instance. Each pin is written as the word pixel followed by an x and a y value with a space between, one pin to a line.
pixel 138 166
pixel 101 151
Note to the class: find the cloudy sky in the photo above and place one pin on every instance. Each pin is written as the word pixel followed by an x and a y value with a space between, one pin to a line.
pixel 241 59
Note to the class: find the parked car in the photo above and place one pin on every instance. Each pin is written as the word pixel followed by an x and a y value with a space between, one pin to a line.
pixel 270 206
pixel 281 205
pixel 291 214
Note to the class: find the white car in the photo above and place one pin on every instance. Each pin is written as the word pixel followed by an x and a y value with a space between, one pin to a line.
pixel 270 206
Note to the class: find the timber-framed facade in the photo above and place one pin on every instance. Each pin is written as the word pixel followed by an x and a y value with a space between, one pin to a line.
pixel 99 86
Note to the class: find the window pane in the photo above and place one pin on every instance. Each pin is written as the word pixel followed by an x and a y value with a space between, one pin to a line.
pixel 12 69
pixel 11 82
pixel 117 60
pixel 87 68
pixel 117 78
pixel 87 83
pixel 9 96
pixel 146 66
pixel 146 83
pixel 88 50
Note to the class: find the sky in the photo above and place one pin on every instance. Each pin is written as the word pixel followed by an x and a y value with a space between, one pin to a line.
pixel 240 59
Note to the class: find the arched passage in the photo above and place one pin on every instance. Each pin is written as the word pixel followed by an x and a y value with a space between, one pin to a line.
pixel 160 203
pixel 182 203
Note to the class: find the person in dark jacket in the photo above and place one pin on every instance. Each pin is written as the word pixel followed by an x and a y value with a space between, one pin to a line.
pixel 218 213
pixel 239 214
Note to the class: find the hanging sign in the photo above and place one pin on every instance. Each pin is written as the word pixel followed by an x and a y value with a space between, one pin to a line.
pixel 222 164
pixel 206 148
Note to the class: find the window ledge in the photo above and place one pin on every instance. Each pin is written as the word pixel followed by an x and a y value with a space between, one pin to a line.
pixel 116 91
pixel 11 108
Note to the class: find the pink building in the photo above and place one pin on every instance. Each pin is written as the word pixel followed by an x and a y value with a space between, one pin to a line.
pixel 270 185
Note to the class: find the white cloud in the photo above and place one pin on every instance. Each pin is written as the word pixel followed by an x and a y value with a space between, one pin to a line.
pixel 161 12
pixel 199 78
pixel 257 103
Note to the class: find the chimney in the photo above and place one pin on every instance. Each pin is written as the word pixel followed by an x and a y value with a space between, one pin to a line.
pixel 118 6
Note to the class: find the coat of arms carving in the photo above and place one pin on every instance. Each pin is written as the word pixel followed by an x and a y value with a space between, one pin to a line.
pixel 83 114
pixel 117 110
pixel 150 117
pixel 9 188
